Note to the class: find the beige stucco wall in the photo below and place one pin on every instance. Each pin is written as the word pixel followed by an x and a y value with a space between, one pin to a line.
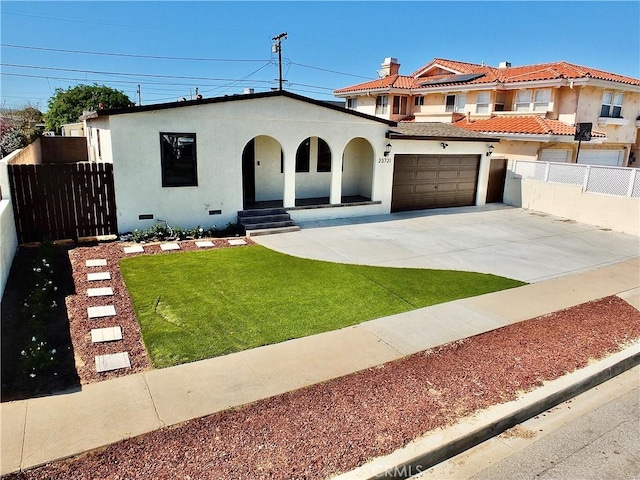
pixel 621 214
pixel 589 105
pixel 8 236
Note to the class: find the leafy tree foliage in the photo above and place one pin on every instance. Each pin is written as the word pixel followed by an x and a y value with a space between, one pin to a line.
pixel 18 128
pixel 66 106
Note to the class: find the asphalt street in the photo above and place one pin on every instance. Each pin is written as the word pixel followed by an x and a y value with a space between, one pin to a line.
pixel 594 436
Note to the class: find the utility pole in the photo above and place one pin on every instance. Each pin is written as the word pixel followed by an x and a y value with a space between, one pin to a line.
pixel 139 95
pixel 278 48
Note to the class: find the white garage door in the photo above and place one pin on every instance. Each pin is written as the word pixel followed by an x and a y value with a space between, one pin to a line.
pixel 554 155
pixel 611 158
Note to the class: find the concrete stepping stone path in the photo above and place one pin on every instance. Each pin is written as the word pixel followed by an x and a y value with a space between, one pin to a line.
pixel 109 334
pixel 238 241
pixel 169 246
pixel 134 249
pixel 99 292
pixel 93 277
pixel 98 262
pixel 99 312
pixel 204 244
pixel 114 361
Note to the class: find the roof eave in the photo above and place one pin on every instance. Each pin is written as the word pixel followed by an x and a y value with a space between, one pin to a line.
pixel 404 136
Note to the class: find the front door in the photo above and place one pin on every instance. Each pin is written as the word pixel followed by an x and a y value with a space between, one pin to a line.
pixel 249 175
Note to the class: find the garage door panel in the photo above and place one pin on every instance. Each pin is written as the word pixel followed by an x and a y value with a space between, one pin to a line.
pixel 426 175
pixel 427 181
pixel 425 187
pixel 447 174
pixel 427 162
pixel 404 189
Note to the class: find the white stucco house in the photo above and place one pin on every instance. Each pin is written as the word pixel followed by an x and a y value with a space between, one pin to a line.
pixel 201 162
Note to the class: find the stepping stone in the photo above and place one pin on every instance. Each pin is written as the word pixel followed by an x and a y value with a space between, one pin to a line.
pixel 92 277
pixel 114 361
pixel 169 246
pixel 110 334
pixel 237 241
pixel 98 262
pixel 134 249
pixel 97 312
pixel 99 292
pixel 204 244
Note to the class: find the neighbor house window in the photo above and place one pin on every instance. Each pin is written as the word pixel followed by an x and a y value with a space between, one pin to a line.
pixel 399 105
pixel 541 100
pixel 352 103
pixel 611 105
pixel 382 104
pixel 324 156
pixel 455 103
pixel 302 156
pixel 418 101
pixel 178 159
pixel 523 100
pixel 482 102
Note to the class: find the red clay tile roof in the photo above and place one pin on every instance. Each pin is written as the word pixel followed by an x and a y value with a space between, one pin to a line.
pixel 524 73
pixel 525 125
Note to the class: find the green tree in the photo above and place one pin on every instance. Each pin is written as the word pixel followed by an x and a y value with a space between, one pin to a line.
pixel 18 128
pixel 66 106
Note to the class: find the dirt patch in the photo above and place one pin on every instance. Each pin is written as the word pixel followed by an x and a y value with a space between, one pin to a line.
pixel 319 431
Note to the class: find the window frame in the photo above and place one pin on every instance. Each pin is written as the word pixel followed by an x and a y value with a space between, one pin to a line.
pixel 612 104
pixel 543 104
pixel 400 105
pixel 418 101
pixel 456 106
pixel 521 102
pixel 483 104
pixel 324 156
pixel 163 161
pixel 303 156
pixel 352 103
pixel 382 104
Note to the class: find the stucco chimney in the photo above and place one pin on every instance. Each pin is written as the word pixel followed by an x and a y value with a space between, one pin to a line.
pixel 468 117
pixel 504 65
pixel 390 66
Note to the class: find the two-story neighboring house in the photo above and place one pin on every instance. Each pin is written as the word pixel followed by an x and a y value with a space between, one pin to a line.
pixel 533 109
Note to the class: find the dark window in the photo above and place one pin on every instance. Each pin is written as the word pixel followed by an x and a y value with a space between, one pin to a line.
pixel 417 101
pixel 302 156
pixel 324 156
pixel 450 103
pixel 178 157
pixel 399 105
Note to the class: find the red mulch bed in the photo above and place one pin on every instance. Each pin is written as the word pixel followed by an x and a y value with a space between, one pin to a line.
pixel 79 325
pixel 318 431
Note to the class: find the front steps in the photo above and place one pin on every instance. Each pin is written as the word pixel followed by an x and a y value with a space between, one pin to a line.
pixel 265 221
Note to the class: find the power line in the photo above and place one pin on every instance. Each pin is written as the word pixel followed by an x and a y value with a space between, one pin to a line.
pixel 330 71
pixel 100 72
pixel 131 55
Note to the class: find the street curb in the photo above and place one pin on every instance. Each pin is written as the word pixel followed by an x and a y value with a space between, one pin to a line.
pixel 442 444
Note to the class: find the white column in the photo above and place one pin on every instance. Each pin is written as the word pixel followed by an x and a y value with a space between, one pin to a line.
pixel 289 197
pixel 336 176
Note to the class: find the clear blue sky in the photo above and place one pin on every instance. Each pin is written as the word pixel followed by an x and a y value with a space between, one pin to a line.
pixel 347 37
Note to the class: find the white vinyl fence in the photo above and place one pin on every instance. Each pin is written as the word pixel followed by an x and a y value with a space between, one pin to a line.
pixel 621 181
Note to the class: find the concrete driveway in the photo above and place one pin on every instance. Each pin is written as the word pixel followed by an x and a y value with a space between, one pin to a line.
pixel 498 239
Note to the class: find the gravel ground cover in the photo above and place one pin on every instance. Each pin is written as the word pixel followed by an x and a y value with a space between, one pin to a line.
pixel 319 431
pixel 80 327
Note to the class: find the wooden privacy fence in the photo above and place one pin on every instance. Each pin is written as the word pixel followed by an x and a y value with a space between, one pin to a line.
pixel 63 201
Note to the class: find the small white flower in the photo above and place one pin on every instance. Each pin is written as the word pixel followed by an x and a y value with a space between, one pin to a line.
pixel 32 375
pixel 53 351
pixel 33 339
pixel 23 353
pixel 55 288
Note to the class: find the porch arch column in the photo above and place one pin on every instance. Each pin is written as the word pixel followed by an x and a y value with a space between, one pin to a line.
pixel 337 157
pixel 289 196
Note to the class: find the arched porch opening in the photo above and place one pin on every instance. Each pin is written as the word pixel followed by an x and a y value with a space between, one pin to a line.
pixel 313 171
pixel 262 173
pixel 357 171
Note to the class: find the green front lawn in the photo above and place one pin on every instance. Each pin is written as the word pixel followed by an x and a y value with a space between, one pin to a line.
pixel 201 304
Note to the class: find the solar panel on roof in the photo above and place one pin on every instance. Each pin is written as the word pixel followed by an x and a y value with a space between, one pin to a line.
pixel 466 77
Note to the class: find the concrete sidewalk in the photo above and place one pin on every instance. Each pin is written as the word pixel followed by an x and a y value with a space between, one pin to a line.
pixel 41 430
